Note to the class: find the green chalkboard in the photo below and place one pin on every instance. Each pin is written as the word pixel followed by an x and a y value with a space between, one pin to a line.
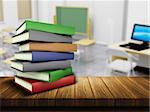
pixel 72 16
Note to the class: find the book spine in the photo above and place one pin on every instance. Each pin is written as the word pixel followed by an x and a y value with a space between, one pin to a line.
pixel 58 74
pixel 53 75
pixel 54 47
pixel 49 37
pixel 50 28
pixel 51 56
pixel 40 66
pixel 43 86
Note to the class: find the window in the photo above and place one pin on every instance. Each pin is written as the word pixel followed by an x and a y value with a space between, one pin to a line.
pixel 24 9
pixel 1 10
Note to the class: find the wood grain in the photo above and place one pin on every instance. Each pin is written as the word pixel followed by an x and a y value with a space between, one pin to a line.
pixel 135 88
pixel 88 91
pixel 141 81
pixel 48 97
pixel 83 91
pixel 140 94
pixel 65 96
pixel 121 94
pixel 116 88
pixel 4 84
pixel 101 92
pixel 6 88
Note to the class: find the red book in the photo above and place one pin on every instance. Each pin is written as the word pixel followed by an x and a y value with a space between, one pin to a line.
pixel 34 86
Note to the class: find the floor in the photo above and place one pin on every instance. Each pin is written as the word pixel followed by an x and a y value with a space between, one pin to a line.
pixel 89 61
pixel 92 61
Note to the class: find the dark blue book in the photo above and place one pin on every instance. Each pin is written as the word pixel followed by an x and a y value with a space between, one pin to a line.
pixel 43 56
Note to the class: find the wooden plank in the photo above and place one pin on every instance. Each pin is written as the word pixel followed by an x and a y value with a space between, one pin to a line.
pixel 91 91
pixel 65 96
pixel 66 92
pixel 7 95
pixel 36 99
pixel 144 82
pixel 116 88
pixel 83 92
pixel 2 78
pixel 14 91
pixel 13 94
pixel 50 94
pixel 48 97
pixel 122 96
pixel 101 92
pixel 4 84
pixel 83 89
pixel 137 90
pixel 24 98
pixel 141 96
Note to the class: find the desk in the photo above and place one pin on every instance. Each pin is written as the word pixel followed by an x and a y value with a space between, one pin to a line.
pixel 144 55
pixel 88 92
pixel 142 52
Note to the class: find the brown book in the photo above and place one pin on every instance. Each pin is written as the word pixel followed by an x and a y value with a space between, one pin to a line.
pixel 55 47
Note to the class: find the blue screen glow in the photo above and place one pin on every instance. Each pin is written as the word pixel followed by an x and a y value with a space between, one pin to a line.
pixel 141 33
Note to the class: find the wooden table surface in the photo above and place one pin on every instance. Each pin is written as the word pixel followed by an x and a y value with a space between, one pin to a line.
pixel 88 91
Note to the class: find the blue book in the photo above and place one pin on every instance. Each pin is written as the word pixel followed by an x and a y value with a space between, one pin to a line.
pixel 43 56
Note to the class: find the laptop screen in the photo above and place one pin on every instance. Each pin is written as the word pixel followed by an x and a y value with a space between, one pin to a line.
pixel 141 33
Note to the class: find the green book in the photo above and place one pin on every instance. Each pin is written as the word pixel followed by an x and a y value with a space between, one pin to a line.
pixel 48 76
pixel 45 27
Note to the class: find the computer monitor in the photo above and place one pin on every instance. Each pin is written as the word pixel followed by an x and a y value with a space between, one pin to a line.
pixel 141 33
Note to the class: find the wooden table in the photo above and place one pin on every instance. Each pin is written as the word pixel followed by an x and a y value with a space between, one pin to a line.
pixel 89 92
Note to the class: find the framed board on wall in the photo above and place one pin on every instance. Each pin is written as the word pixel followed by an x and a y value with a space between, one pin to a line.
pixel 78 18
pixel 73 16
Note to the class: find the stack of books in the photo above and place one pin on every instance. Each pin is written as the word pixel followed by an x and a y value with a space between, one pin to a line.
pixel 44 58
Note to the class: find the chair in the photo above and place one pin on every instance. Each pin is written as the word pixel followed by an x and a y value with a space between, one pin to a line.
pixel 125 66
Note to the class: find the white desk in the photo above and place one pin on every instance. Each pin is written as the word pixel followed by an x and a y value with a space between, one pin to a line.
pixel 144 55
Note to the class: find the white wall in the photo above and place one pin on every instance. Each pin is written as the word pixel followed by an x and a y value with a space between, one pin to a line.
pixel 106 16
pixel 10 13
pixel 138 12
pixel 149 12
pixel 108 21
pixel 113 20
pixel 46 9
pixel 43 10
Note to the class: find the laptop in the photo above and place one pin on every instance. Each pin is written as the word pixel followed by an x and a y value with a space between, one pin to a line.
pixel 139 33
